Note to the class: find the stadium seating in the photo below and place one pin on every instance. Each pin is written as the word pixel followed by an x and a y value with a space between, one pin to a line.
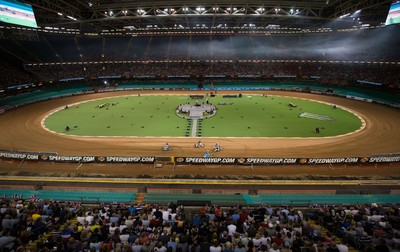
pixel 37 225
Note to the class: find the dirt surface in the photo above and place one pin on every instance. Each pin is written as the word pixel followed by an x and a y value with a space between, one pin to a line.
pixel 22 130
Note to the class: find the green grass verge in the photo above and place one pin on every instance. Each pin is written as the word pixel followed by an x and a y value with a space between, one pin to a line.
pixel 254 116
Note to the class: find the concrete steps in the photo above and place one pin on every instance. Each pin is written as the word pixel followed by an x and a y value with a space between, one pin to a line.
pixel 31 246
pixel 139 198
pixel 337 240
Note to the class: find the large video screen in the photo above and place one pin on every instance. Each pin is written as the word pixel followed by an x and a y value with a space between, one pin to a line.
pixel 394 13
pixel 15 12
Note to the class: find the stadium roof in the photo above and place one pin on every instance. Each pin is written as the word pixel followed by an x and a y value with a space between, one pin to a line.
pixel 206 15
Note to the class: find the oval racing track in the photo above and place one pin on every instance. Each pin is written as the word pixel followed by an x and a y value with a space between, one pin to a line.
pixel 22 130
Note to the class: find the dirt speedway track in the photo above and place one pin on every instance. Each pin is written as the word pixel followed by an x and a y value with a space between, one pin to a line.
pixel 21 130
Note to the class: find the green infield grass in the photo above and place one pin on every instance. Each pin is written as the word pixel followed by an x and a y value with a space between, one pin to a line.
pixel 248 116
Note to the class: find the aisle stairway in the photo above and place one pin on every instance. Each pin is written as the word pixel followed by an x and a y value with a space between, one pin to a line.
pixel 31 246
pixel 139 198
pixel 337 240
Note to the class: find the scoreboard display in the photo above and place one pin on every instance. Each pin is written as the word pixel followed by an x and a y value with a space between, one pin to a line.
pixel 18 13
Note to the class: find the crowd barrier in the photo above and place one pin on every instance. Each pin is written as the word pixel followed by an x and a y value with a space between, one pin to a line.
pixel 53 157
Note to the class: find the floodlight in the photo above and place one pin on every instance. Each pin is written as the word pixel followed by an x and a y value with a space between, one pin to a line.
pixel 345 15
pixel 71 18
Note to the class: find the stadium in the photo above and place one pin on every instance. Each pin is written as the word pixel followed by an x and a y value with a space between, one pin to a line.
pixel 118 106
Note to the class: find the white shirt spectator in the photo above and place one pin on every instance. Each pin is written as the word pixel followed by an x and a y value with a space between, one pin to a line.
pixel 215 249
pixel 81 219
pixel 231 229
pixel 161 249
pixel 124 238
pixel 257 242
pixel 165 214
pixel 3 209
pixel 375 218
pixel 342 248
pixel 111 230
pixel 89 218
pixel 122 227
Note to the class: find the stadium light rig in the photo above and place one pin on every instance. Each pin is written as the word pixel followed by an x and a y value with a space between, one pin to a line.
pixel 200 10
pixel 294 11
pixel 71 18
pixel 109 13
pixel 168 11
pixel 130 27
pixel 260 11
pixel 345 15
pixel 229 9
pixel 355 14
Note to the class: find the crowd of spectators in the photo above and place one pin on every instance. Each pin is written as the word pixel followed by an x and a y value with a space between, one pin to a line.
pixel 41 225
pixel 325 74
pixel 385 74
pixel 75 57
pixel 11 74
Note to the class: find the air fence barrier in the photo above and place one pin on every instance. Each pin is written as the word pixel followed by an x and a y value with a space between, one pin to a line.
pixel 54 157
